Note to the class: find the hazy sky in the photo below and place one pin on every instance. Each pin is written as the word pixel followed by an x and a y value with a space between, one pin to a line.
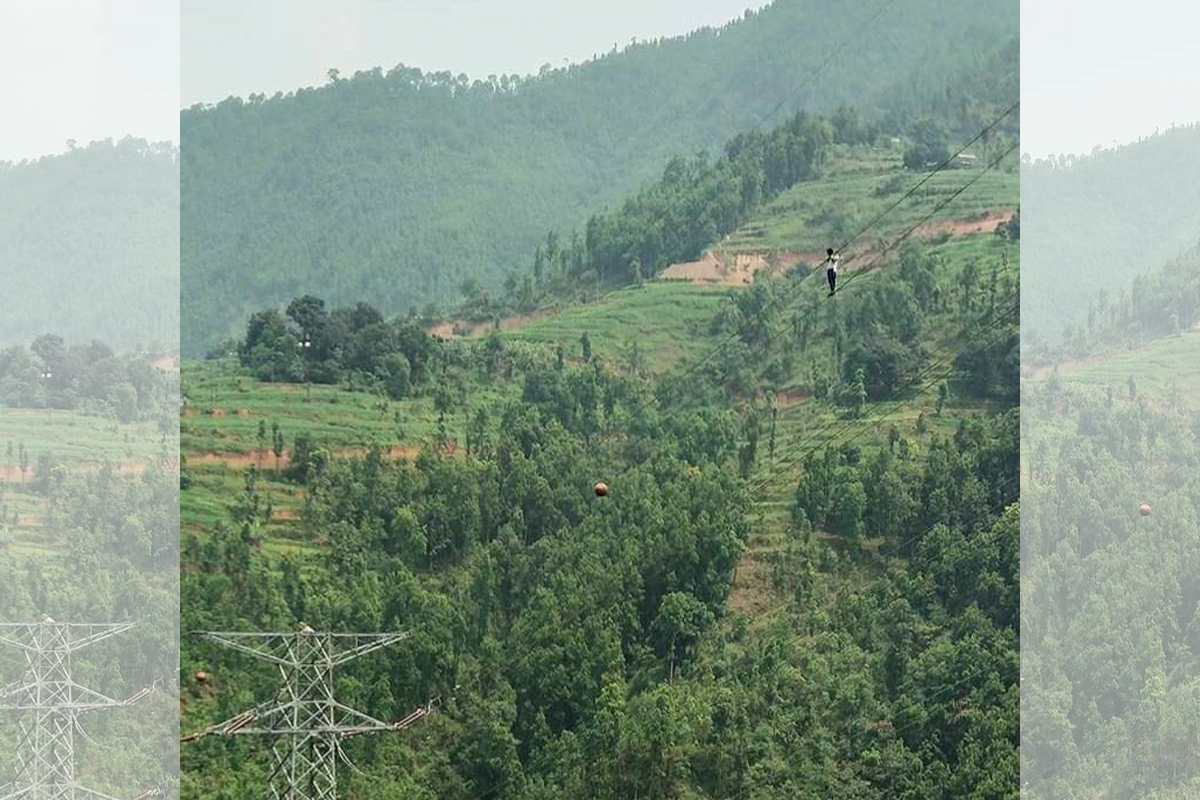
pixel 85 70
pixel 1094 72
pixel 238 46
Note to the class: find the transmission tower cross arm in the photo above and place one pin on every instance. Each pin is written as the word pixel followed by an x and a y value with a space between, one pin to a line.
pixel 36 637
pixel 67 696
pixel 368 643
pixel 305 722
pixel 232 725
pixel 277 647
pixel 256 644
pixel 281 719
pixel 94 633
pixel 406 722
pixel 140 695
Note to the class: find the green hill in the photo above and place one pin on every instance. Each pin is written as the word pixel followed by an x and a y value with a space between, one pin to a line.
pixel 89 246
pixel 1165 369
pixel 805 571
pixel 406 184
pixel 89 533
pixel 1111 420
pixel 1103 220
pixel 98 410
pixel 845 195
pixel 1112 668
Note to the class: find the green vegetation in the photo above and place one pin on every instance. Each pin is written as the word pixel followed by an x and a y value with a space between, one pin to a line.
pixel 1104 220
pixel 1165 369
pixel 1162 303
pixel 803 580
pixel 89 378
pixel 859 182
pixel 117 562
pixel 409 186
pixel 89 522
pixel 69 409
pixel 89 245
pixel 653 327
pixel 1112 689
pixel 855 190
pixel 607 648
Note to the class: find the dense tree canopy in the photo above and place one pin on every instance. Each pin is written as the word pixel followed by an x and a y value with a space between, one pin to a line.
pixel 591 639
pixel 89 245
pixel 120 564
pixel 1110 620
pixel 91 378
pixel 1102 220
pixel 405 184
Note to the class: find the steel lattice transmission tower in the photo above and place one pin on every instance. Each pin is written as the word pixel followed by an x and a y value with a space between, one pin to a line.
pixel 305 722
pixel 50 702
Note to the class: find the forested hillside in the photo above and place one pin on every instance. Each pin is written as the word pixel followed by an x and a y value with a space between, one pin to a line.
pixel 52 375
pixel 117 561
pixel 89 534
pixel 1110 445
pixel 802 584
pixel 1163 302
pixel 405 185
pixel 89 245
pixel 1110 628
pixel 1105 220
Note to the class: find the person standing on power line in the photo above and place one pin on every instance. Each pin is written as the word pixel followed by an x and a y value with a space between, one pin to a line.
pixel 831 268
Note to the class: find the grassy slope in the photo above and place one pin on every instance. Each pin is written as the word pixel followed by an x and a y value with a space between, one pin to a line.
pixel 668 319
pixel 858 188
pixel 74 440
pixel 1155 367
pixel 219 440
pixel 471 184
pixel 805 219
pixel 806 426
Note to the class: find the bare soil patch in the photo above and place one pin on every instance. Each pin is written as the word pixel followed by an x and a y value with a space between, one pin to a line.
pixel 964 227
pixel 722 268
pixel 241 460
pixel 266 458
pixel 166 363
pixel 740 269
pixel 752 586
pixel 1062 368
pixel 12 474
pixel 791 397
pixel 463 329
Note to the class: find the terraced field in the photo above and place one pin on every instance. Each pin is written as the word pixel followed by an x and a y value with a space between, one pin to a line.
pixel 670 322
pixel 70 440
